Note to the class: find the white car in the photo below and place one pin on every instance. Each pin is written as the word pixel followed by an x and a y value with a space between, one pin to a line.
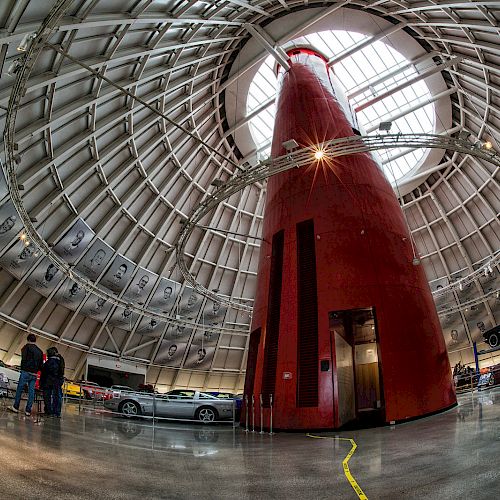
pixel 11 374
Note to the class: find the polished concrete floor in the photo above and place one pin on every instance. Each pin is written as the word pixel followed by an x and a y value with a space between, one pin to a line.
pixel 91 455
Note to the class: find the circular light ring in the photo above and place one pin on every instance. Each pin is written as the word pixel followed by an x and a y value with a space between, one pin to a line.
pixel 296 159
pixel 47 27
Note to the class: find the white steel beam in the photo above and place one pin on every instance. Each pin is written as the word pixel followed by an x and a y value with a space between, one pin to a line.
pixel 359 46
pixel 411 81
pixel 268 43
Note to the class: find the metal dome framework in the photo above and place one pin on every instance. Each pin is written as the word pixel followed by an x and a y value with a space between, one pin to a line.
pixel 83 149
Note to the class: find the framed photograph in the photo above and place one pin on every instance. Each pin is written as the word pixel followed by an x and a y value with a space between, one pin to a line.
pixel 165 295
pixel 151 327
pixel 44 277
pixel 70 294
pixel 10 223
pixel 199 357
pixel 206 338
pixel 140 286
pixel 96 307
pixel 75 242
pixel 214 313
pixel 180 333
pixel 190 304
pixel 95 260
pixel 118 274
pixel 19 259
pixel 123 318
pixel 170 353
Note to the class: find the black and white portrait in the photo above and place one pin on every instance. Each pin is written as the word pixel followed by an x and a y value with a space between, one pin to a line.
pixel 140 286
pixel 170 353
pixel 199 357
pixel 124 318
pixel 95 260
pixel 19 259
pixel 75 242
pixel 190 304
pixel 118 274
pixel 96 307
pixel 165 296
pixel 70 294
pixel 45 277
pixel 10 223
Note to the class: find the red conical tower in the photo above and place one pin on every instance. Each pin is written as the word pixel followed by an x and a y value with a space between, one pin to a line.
pixel 344 326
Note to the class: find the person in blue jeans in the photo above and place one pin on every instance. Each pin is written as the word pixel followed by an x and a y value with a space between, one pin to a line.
pixel 31 364
pixel 51 382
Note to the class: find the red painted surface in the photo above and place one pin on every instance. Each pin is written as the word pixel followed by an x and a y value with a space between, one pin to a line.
pixel 363 258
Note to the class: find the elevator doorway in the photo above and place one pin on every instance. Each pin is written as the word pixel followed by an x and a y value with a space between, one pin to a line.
pixel 355 355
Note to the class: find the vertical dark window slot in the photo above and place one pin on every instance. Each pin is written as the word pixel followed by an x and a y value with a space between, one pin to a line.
pixel 307 317
pixel 253 350
pixel 273 318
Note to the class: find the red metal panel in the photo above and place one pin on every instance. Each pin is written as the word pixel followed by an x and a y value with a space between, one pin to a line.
pixel 363 259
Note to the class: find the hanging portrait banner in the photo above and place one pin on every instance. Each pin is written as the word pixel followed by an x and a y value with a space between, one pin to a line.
pixel 190 304
pixel 118 274
pixel 96 307
pixel 10 223
pixel 140 286
pixel 205 337
pixel 75 242
pixel 95 260
pixel 199 357
pixel 151 327
pixel 170 353
pixel 19 258
pixel 123 318
pixel 70 294
pixel 165 295
pixel 180 333
pixel 213 313
pixel 45 277
pixel 3 185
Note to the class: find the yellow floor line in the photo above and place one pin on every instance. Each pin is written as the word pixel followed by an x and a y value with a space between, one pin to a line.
pixel 347 472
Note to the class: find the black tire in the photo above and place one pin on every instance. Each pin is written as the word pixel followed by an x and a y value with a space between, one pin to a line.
pixel 207 414
pixel 493 340
pixel 129 408
pixel 86 395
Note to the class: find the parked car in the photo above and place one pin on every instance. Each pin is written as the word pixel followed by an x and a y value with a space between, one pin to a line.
pixel 91 390
pixel 11 374
pixel 181 404
pixel 72 389
pixel 489 377
pixel 492 336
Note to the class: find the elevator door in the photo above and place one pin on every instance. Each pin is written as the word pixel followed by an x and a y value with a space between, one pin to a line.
pixel 345 380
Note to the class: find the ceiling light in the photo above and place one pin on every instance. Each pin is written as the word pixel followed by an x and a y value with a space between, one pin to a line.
pixel 318 155
pixel 488 145
pixel 385 126
pixel 26 42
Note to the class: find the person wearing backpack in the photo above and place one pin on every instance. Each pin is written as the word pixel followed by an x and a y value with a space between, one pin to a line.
pixel 31 363
pixel 51 382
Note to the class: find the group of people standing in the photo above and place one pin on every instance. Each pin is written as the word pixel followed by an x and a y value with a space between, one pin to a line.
pixel 51 378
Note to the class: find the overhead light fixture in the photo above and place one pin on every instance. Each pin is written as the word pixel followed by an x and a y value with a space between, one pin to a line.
pixel 26 42
pixel 318 155
pixel 488 145
pixel 290 145
pixel 15 66
pixel 385 126
pixel 460 286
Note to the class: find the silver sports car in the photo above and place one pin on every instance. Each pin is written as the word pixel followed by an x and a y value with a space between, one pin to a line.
pixel 182 404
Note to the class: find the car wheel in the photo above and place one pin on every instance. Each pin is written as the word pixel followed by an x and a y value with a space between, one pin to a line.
pixel 207 414
pixel 491 381
pixel 129 409
pixel 493 340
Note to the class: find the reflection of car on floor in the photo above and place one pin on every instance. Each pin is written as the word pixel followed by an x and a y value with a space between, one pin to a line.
pixel 182 404
pixel 11 374
pixel 489 377
pixel 492 336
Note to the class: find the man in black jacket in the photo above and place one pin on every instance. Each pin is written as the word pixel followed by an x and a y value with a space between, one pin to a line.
pixel 31 364
pixel 51 382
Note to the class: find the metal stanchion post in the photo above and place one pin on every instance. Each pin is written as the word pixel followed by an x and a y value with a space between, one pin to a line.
pixel 234 413
pixel 80 400
pixel 246 412
pixel 261 415
pixel 271 414
pixel 253 413
pixel 154 408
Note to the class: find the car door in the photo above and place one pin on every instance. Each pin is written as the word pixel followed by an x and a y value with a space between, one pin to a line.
pixel 180 404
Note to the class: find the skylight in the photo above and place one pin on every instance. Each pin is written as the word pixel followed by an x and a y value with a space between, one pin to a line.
pixel 369 66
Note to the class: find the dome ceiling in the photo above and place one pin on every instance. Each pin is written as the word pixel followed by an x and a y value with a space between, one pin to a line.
pixel 107 180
